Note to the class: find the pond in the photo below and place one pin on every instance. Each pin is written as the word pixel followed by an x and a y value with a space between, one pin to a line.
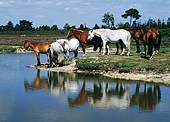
pixel 30 95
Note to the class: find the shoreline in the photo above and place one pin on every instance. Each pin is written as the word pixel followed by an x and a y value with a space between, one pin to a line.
pixel 144 77
pixel 163 78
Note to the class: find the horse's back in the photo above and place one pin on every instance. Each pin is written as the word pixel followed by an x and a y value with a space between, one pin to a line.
pixel 73 44
pixel 56 47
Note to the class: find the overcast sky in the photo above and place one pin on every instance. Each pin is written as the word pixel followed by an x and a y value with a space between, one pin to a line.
pixel 75 12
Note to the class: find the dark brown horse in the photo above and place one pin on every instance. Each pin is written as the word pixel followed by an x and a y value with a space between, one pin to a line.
pixel 150 37
pixel 137 34
pixel 82 36
pixel 38 47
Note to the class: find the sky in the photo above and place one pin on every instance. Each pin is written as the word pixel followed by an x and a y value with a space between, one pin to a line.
pixel 76 12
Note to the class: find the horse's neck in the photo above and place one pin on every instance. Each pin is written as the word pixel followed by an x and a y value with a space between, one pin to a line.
pixel 31 46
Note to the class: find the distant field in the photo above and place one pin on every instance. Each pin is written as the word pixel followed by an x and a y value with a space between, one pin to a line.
pixel 17 38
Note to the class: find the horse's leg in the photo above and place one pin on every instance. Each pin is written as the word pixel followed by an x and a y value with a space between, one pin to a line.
pixel 145 50
pixel 76 53
pixel 83 48
pixel 67 53
pixel 107 50
pixel 123 52
pixel 104 47
pixel 137 46
pixel 38 58
pixel 128 53
pixel 117 46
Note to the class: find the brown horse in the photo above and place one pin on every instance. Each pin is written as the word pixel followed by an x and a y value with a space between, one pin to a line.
pixel 137 34
pixel 82 36
pixel 152 38
pixel 38 47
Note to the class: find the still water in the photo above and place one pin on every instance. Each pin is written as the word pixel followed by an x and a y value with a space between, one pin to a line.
pixel 30 95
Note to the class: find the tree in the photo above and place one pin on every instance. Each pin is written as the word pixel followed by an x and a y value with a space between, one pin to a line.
pixel 159 23
pixel 54 27
pixel 132 13
pixel 66 26
pixel 25 25
pixel 96 26
pixel 9 26
pixel 168 22
pixel 81 27
pixel 108 19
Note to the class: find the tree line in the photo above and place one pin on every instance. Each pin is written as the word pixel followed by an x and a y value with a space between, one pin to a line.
pixel 108 22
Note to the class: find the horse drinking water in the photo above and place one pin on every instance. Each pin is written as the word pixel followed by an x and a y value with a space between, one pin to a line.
pixel 70 45
pixel 38 48
pixel 112 36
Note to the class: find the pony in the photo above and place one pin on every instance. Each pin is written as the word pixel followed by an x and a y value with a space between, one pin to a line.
pixel 137 34
pixel 112 36
pixel 56 56
pixel 152 38
pixel 69 46
pixel 82 36
pixel 98 43
pixel 38 48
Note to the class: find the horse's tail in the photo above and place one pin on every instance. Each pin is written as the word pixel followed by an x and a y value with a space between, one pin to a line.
pixel 159 40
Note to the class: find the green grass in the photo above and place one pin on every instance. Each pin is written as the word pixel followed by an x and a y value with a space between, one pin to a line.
pixel 135 63
pixel 7 49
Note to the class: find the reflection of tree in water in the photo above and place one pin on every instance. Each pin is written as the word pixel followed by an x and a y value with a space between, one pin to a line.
pixel 148 98
pixel 38 83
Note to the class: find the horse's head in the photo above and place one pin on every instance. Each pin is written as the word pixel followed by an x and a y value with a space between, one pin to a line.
pixel 90 35
pixel 97 42
pixel 26 44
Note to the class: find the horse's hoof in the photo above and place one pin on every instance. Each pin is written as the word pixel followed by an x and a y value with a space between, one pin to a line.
pixel 150 57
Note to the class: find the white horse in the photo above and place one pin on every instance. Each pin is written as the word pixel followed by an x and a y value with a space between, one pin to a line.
pixel 112 36
pixel 69 46
pixel 56 55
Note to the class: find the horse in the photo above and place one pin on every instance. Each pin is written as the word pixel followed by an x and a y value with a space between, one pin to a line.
pixel 98 43
pixel 38 48
pixel 56 56
pixel 112 36
pixel 69 46
pixel 82 36
pixel 137 34
pixel 152 38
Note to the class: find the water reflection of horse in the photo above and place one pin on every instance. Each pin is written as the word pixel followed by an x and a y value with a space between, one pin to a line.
pixel 111 95
pixel 38 48
pixel 61 83
pixel 150 37
pixel 82 36
pixel 102 96
pixel 38 83
pixel 146 99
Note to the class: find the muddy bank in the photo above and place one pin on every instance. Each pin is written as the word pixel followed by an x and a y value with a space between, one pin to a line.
pixel 146 77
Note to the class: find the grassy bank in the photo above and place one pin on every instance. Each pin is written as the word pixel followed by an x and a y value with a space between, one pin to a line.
pixel 7 49
pixel 134 63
